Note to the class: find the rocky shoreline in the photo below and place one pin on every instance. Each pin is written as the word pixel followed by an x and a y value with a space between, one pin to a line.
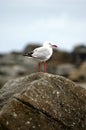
pixel 43 101
pixel 16 65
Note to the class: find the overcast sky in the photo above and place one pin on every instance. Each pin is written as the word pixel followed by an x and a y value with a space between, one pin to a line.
pixel 60 21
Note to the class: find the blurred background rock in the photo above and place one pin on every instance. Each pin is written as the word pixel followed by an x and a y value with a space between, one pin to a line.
pixel 69 64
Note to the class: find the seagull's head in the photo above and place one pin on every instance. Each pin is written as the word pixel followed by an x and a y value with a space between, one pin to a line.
pixel 49 44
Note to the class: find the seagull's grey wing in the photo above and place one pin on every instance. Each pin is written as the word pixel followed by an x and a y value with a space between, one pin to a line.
pixel 41 53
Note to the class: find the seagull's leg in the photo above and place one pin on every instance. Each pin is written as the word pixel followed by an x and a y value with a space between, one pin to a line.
pixel 38 66
pixel 45 67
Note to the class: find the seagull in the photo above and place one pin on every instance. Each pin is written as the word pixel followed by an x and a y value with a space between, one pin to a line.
pixel 42 54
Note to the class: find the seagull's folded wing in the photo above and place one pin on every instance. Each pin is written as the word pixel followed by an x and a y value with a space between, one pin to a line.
pixel 41 53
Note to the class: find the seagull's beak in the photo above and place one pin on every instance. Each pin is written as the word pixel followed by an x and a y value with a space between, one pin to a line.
pixel 54 46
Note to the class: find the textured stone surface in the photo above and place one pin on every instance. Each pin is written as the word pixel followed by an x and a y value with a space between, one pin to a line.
pixel 42 102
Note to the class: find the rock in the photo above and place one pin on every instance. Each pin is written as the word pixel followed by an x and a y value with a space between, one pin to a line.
pixel 42 101
pixel 2 81
pixel 82 84
pixel 79 74
pixel 64 69
pixel 58 58
pixel 79 54
pixel 15 65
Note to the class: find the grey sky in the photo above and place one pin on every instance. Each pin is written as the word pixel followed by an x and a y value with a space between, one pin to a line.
pixel 61 21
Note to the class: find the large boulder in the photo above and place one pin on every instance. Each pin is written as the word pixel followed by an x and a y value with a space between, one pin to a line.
pixel 42 101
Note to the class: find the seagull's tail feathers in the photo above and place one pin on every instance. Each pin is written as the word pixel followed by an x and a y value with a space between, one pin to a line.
pixel 29 54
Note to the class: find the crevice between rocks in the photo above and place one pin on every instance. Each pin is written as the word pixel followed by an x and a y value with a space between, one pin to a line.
pixel 52 119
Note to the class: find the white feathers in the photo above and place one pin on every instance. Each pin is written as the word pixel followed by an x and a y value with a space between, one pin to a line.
pixel 43 53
